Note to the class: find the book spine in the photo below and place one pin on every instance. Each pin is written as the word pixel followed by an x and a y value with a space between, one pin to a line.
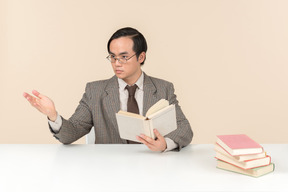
pixel 147 125
pixel 151 129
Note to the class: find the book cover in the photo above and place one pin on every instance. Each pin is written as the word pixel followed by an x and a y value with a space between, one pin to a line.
pixel 239 144
pixel 255 172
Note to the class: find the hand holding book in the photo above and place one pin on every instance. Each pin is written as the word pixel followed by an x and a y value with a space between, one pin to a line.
pixel 158 144
pixel 160 116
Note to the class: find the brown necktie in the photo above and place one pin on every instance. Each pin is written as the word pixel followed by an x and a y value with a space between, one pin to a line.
pixel 132 105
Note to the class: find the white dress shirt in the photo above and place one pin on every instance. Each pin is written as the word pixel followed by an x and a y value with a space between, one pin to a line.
pixel 123 94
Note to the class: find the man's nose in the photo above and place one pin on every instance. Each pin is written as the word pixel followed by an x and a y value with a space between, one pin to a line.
pixel 117 62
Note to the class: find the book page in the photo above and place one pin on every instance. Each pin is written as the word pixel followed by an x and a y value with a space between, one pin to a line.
pixel 131 114
pixel 129 127
pixel 157 106
pixel 164 120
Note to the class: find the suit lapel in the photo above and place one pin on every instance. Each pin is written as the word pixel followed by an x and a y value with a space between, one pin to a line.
pixel 150 94
pixel 111 100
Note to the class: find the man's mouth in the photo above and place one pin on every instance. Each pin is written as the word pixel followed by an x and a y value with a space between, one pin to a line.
pixel 119 71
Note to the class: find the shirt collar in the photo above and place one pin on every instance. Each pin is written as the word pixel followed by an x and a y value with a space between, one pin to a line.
pixel 139 82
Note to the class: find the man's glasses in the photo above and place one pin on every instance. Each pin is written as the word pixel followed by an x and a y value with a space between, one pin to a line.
pixel 121 60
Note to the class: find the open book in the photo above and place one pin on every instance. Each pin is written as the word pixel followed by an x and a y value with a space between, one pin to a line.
pixel 160 116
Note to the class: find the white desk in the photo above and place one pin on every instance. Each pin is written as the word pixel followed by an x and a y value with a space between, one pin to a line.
pixel 126 168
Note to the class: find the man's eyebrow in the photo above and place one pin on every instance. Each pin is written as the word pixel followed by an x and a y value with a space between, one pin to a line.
pixel 122 53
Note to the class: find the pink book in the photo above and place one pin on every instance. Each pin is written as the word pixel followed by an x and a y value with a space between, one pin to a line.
pixel 239 144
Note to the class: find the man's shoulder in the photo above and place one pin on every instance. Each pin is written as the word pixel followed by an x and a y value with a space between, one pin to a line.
pixel 102 83
pixel 157 81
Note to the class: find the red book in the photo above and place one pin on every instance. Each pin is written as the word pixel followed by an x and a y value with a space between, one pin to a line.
pixel 239 144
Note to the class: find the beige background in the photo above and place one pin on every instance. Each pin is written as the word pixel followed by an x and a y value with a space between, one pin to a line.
pixel 227 60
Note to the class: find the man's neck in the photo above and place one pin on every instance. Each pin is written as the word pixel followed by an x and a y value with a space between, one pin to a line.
pixel 133 80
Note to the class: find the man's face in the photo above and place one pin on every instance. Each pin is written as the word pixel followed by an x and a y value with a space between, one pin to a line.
pixel 131 70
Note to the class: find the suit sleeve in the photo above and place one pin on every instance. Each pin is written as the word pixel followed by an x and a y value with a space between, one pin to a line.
pixel 183 134
pixel 79 124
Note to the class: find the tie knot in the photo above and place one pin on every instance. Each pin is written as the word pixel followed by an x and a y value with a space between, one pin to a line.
pixel 131 89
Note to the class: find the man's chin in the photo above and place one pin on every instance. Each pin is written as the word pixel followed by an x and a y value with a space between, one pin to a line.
pixel 120 75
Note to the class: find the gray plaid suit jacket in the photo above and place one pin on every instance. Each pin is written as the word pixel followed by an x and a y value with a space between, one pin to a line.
pixel 101 102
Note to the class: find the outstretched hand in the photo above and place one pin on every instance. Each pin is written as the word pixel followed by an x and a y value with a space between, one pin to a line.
pixel 159 144
pixel 42 103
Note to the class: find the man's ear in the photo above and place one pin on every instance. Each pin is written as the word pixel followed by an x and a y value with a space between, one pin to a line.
pixel 141 57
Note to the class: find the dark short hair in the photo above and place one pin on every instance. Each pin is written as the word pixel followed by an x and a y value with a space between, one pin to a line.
pixel 139 41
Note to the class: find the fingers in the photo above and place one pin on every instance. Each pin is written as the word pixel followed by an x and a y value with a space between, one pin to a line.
pixel 28 97
pixel 147 139
pixel 155 145
pixel 41 103
pixel 142 140
pixel 149 145
pixel 25 95
pixel 152 144
pixel 37 94
pixel 158 135
pixel 32 100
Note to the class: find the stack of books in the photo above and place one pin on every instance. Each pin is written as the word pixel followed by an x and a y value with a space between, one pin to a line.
pixel 241 154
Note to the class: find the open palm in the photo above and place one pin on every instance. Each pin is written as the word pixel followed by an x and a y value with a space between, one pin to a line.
pixel 42 103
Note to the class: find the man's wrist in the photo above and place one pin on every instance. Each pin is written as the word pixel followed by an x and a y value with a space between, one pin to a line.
pixel 165 147
pixel 170 144
pixel 55 126
pixel 53 117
